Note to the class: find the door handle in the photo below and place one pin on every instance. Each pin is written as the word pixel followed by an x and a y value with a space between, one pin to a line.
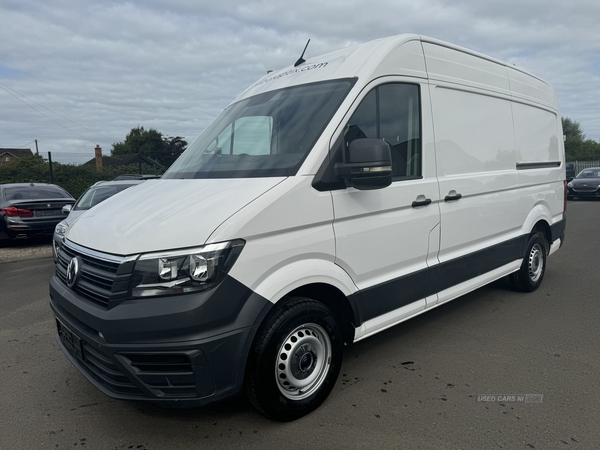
pixel 454 196
pixel 417 203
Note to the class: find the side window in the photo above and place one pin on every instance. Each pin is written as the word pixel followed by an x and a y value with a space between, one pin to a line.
pixel 363 123
pixel 391 112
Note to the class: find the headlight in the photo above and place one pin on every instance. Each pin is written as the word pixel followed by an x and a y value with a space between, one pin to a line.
pixel 61 228
pixel 182 271
pixel 569 184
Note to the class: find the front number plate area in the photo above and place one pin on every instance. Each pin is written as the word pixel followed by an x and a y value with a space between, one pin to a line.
pixel 70 339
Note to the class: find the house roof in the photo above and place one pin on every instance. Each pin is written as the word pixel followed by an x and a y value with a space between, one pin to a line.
pixel 17 152
pixel 123 160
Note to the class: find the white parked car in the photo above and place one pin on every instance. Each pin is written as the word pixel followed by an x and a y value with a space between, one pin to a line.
pixel 100 191
pixel 331 200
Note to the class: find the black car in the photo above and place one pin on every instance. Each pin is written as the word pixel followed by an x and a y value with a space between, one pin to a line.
pixel 586 184
pixel 570 171
pixel 31 209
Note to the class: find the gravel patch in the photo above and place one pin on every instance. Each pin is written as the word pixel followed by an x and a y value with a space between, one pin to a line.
pixel 25 249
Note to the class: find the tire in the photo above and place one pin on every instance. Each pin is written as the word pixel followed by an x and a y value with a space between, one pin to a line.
pixel 529 277
pixel 295 360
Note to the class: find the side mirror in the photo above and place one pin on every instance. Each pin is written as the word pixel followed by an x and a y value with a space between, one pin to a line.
pixel 369 165
pixel 67 209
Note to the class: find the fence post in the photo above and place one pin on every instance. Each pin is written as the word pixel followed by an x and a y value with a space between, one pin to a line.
pixel 50 165
pixel 140 162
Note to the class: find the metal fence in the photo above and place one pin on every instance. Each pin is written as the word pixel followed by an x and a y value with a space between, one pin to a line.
pixel 580 165
pixel 68 158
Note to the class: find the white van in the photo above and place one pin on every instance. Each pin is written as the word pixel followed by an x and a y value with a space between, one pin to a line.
pixel 330 201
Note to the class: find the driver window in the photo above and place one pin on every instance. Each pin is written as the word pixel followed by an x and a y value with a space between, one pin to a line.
pixel 391 112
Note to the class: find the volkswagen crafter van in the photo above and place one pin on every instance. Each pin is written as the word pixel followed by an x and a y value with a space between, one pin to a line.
pixel 331 200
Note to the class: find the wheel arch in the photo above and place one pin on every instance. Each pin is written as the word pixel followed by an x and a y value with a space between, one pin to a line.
pixel 539 220
pixel 542 227
pixel 336 301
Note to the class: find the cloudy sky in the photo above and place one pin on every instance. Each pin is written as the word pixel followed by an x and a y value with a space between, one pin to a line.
pixel 76 73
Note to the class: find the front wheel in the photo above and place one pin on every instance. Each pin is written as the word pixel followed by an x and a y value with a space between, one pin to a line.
pixel 295 360
pixel 529 277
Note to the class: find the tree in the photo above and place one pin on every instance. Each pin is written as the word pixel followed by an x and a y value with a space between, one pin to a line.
pixel 174 146
pixel 151 143
pixel 572 130
pixel 574 136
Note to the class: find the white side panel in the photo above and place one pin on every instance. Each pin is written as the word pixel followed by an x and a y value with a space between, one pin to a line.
pixel 454 66
pixel 542 189
pixel 476 159
pixel 473 132
pixel 535 134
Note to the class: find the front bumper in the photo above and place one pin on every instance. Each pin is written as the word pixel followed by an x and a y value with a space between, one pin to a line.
pixel 183 351
pixel 580 193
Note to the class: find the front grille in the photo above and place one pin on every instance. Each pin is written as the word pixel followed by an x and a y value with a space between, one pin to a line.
pixel 585 188
pixel 165 374
pixel 103 279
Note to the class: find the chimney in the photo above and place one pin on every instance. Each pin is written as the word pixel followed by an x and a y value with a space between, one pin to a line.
pixel 98 153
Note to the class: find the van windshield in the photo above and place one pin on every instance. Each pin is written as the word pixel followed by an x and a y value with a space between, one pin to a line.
pixel 268 135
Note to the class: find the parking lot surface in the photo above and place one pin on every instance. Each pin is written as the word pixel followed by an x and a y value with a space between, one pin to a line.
pixel 418 385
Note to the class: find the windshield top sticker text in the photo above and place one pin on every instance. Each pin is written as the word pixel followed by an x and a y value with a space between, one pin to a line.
pixel 293 71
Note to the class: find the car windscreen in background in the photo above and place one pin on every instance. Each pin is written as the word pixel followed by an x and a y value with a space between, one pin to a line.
pixel 96 195
pixel 267 135
pixel 34 193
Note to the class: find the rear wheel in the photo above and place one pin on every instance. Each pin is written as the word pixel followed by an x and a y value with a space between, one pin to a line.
pixel 295 360
pixel 529 277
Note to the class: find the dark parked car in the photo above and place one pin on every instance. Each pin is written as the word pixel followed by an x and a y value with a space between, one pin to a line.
pixel 96 194
pixel 31 209
pixel 586 184
pixel 570 169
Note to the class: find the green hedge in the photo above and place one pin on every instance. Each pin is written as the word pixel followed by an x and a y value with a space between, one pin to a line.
pixel 74 179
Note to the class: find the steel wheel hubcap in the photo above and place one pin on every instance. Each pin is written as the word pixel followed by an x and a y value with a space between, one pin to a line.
pixel 536 263
pixel 303 361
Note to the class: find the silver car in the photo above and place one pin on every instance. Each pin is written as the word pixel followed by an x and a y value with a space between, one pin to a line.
pixel 90 198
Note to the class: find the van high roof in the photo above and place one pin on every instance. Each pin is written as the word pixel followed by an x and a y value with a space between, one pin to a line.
pixel 415 56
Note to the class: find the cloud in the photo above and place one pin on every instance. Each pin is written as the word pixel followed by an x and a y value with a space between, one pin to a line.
pixel 174 65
